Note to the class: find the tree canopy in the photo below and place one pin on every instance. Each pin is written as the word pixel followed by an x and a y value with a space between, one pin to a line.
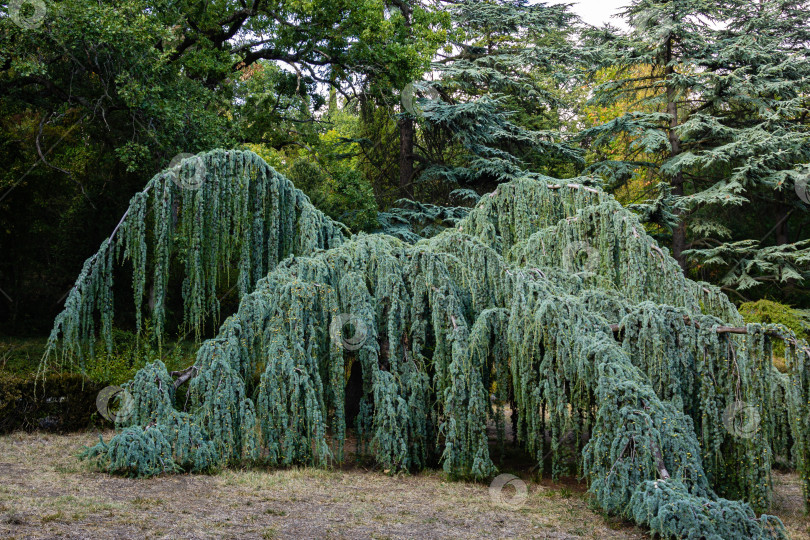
pixel 708 98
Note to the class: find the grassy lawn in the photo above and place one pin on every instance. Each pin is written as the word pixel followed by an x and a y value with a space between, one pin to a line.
pixel 46 492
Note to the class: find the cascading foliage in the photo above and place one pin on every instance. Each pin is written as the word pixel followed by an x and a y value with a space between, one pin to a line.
pixel 213 212
pixel 548 306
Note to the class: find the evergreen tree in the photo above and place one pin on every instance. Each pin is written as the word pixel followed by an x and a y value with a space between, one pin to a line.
pixel 496 115
pixel 720 91
pixel 642 368
pixel 100 94
pixel 761 134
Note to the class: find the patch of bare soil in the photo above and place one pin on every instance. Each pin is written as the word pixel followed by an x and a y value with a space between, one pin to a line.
pixel 45 492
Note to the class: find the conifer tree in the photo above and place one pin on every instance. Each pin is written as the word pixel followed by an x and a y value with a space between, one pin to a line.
pixel 498 96
pixel 720 91
pixel 763 139
pixel 620 353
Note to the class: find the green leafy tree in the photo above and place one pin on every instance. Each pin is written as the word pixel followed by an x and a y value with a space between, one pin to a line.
pixel 398 52
pixel 102 93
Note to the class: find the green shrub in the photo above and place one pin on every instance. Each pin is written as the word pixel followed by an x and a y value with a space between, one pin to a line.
pixel 67 401
pixel 60 402
pixel 21 355
pixel 129 354
pixel 767 311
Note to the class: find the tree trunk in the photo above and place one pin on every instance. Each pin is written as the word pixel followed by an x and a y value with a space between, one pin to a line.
pixel 406 130
pixel 782 233
pixel 332 110
pixel 679 234
pixel 406 127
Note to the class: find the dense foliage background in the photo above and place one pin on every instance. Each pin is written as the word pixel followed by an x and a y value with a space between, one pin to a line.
pixel 696 117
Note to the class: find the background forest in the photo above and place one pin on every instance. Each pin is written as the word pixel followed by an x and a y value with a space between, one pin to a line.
pixel 396 115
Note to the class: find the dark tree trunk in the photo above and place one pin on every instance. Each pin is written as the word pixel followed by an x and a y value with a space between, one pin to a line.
pixel 353 393
pixel 406 127
pixel 406 132
pixel 679 234
pixel 782 233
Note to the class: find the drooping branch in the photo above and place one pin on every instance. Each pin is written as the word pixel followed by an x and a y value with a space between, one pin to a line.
pixel 229 208
pixel 617 327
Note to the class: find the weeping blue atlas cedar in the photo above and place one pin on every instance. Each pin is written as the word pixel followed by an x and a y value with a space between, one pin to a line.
pixel 547 306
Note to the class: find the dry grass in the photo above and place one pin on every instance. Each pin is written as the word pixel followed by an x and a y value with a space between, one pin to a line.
pixel 45 492
pixel 789 506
